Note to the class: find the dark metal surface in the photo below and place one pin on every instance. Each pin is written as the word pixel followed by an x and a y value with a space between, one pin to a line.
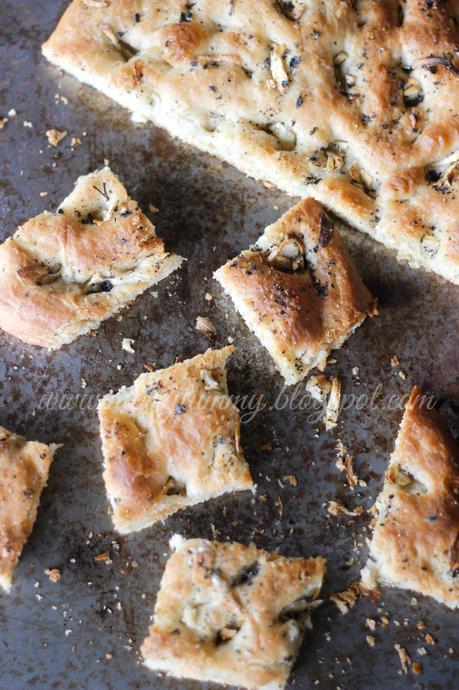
pixel 59 635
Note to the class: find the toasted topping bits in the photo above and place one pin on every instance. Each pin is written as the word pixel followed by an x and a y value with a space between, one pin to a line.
pixel 205 326
pixel 54 136
pixel 126 345
pixel 325 230
pixel 405 481
pixel 53 574
pixel 405 659
pixel 280 77
pixel 288 255
pixel 332 158
pixel 335 508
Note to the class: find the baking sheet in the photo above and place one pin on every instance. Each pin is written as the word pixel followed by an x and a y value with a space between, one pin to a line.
pixel 85 631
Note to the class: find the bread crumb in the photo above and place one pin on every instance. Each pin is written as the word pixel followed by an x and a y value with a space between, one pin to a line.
pixel 345 464
pixel 405 659
pixel 371 640
pixel 126 345
pixel 394 361
pixel 3 122
pixel 429 639
pixel 75 141
pixel 346 600
pixel 335 508
pixel 291 478
pixel 104 557
pixel 54 574
pixel 54 136
pixel 205 326
pixel 371 623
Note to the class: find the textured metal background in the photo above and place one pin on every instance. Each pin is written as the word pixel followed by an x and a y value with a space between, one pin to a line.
pixel 58 635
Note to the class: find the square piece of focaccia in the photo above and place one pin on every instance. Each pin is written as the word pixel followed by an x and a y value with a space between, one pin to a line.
pixel 63 273
pixel 24 468
pixel 229 613
pixel 415 543
pixel 354 103
pixel 298 290
pixel 171 441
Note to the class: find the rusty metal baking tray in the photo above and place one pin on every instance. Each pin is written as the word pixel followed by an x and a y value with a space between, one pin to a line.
pixel 84 631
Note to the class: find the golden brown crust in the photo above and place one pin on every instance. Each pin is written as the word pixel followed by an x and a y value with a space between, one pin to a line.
pixel 170 441
pixel 230 613
pixel 298 289
pixel 24 468
pixel 353 103
pixel 415 543
pixel 62 274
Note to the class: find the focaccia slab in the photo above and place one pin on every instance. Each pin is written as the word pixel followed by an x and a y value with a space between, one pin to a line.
pixel 298 290
pixel 171 441
pixel 353 103
pixel 63 273
pixel 231 614
pixel 24 468
pixel 415 543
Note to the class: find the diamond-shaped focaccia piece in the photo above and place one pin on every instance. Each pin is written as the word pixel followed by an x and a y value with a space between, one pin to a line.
pixel 62 274
pixel 171 441
pixel 24 468
pixel 232 614
pixel 353 103
pixel 298 290
pixel 415 542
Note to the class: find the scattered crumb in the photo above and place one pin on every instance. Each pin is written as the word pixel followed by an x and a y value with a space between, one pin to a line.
pixel 291 478
pixel 208 297
pixel 12 112
pixel 27 124
pixel 54 574
pixel 267 447
pixel 402 375
pixel 405 659
pixel 345 464
pixel 75 141
pixel 346 600
pixel 54 136
pixel 429 639
pixel 3 122
pixel 332 409
pixel 394 361
pixel 371 623
pixel 371 640
pixel 126 345
pixel 109 656
pixel 422 651
pixel 416 667
pixel 205 326
pixel 152 208
pixel 104 557
pixel 42 194
pixel 335 508
pixel 355 371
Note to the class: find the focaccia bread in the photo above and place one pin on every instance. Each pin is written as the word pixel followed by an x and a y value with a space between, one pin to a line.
pixel 415 542
pixel 229 613
pixel 354 103
pixel 24 468
pixel 298 290
pixel 62 274
pixel 171 441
